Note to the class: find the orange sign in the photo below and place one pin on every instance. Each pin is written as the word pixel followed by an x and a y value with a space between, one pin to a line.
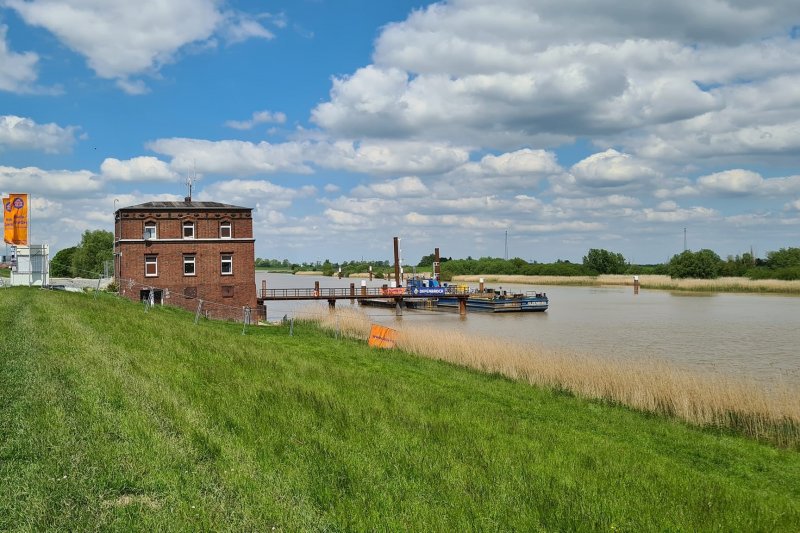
pixel 8 224
pixel 382 337
pixel 15 219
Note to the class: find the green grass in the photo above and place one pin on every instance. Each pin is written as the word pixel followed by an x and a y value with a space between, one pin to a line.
pixel 113 418
pixel 5 272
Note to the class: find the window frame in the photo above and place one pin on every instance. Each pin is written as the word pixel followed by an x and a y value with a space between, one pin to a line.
pixel 147 225
pixel 184 226
pixel 222 264
pixel 190 259
pixel 226 224
pixel 151 259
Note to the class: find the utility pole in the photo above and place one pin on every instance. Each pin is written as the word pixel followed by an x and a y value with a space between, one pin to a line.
pixel 506 257
pixel 684 239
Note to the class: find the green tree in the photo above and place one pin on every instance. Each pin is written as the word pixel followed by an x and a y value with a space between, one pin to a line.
pixel 784 258
pixel 327 268
pixel 604 262
pixel 704 264
pixel 95 248
pixel 61 263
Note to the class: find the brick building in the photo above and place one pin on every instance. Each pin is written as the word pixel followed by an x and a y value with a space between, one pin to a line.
pixel 185 252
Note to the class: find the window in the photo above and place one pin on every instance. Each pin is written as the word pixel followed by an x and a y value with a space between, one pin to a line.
pixel 150 231
pixel 188 230
pixel 225 231
pixel 188 265
pixel 151 265
pixel 227 265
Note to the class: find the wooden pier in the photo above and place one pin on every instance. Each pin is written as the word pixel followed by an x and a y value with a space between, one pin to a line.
pixel 398 294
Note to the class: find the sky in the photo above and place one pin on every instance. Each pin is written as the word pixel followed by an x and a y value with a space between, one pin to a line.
pixel 540 127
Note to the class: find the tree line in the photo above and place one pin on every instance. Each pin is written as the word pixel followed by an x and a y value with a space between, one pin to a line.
pixel 89 259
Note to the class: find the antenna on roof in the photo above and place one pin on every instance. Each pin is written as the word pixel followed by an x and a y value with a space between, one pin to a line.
pixel 190 182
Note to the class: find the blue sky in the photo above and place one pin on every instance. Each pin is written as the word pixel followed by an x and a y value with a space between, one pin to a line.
pixel 568 125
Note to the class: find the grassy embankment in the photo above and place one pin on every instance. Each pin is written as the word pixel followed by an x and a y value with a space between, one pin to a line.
pixel 647 281
pixel 114 418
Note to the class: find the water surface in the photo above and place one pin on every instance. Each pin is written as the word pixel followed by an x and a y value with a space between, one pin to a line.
pixel 751 335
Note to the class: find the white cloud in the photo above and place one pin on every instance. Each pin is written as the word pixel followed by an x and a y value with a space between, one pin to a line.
pixel 249 192
pixel 17 71
pixel 792 206
pixel 143 168
pixel 611 169
pixel 259 117
pixel 59 183
pixel 677 214
pixel 239 158
pixel 410 186
pixel 735 181
pixel 20 133
pixel 390 157
pixel 598 202
pixel 121 39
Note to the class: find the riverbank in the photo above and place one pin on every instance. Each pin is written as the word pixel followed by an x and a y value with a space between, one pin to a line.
pixel 116 418
pixel 648 282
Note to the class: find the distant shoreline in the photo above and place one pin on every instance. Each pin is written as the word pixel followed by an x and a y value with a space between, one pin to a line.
pixel 648 281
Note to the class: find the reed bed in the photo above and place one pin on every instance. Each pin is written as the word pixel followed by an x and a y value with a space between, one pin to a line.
pixel 713 401
pixel 650 281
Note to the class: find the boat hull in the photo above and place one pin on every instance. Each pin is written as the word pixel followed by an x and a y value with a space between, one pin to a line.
pixel 500 305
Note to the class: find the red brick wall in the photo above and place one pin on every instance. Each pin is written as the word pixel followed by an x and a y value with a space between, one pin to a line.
pixel 223 295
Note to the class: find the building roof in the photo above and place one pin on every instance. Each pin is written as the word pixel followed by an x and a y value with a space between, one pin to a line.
pixel 183 205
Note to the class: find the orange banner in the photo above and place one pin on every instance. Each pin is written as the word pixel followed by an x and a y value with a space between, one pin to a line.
pixel 17 209
pixel 8 224
pixel 382 337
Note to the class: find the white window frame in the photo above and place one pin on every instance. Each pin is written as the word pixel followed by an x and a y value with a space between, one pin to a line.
pixel 190 260
pixel 150 236
pixel 223 260
pixel 225 225
pixel 185 226
pixel 150 260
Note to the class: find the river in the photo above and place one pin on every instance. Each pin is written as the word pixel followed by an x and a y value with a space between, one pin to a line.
pixel 749 335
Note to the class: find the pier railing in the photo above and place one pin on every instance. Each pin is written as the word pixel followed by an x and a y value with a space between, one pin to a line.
pixel 349 292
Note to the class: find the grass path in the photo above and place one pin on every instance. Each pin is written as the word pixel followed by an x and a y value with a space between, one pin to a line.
pixel 112 418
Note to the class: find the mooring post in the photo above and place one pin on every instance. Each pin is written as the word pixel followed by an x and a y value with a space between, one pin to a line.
pixel 635 284
pixel 363 287
pixel 398 307
pixel 340 272
pixel 331 304
pixel 480 285
pixel 370 272
pixel 263 288
pixel 352 293
pixel 462 306
pixel 316 289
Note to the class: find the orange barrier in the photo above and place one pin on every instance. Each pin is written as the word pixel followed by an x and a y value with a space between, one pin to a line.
pixel 382 337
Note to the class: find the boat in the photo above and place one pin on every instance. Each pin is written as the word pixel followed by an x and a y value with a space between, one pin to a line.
pixel 501 301
pixel 488 300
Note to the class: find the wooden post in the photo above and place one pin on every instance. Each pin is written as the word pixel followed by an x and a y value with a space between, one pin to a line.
pixel 398 306
pixel 370 272
pixel 316 289
pixel 352 293
pixel 397 262
pixel 635 284
pixel 363 287
pixel 480 285
pixel 462 306
pixel 340 272
pixel 331 304
pixel 263 288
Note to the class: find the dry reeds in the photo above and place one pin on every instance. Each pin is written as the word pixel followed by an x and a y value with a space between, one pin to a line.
pixel 650 386
pixel 650 281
